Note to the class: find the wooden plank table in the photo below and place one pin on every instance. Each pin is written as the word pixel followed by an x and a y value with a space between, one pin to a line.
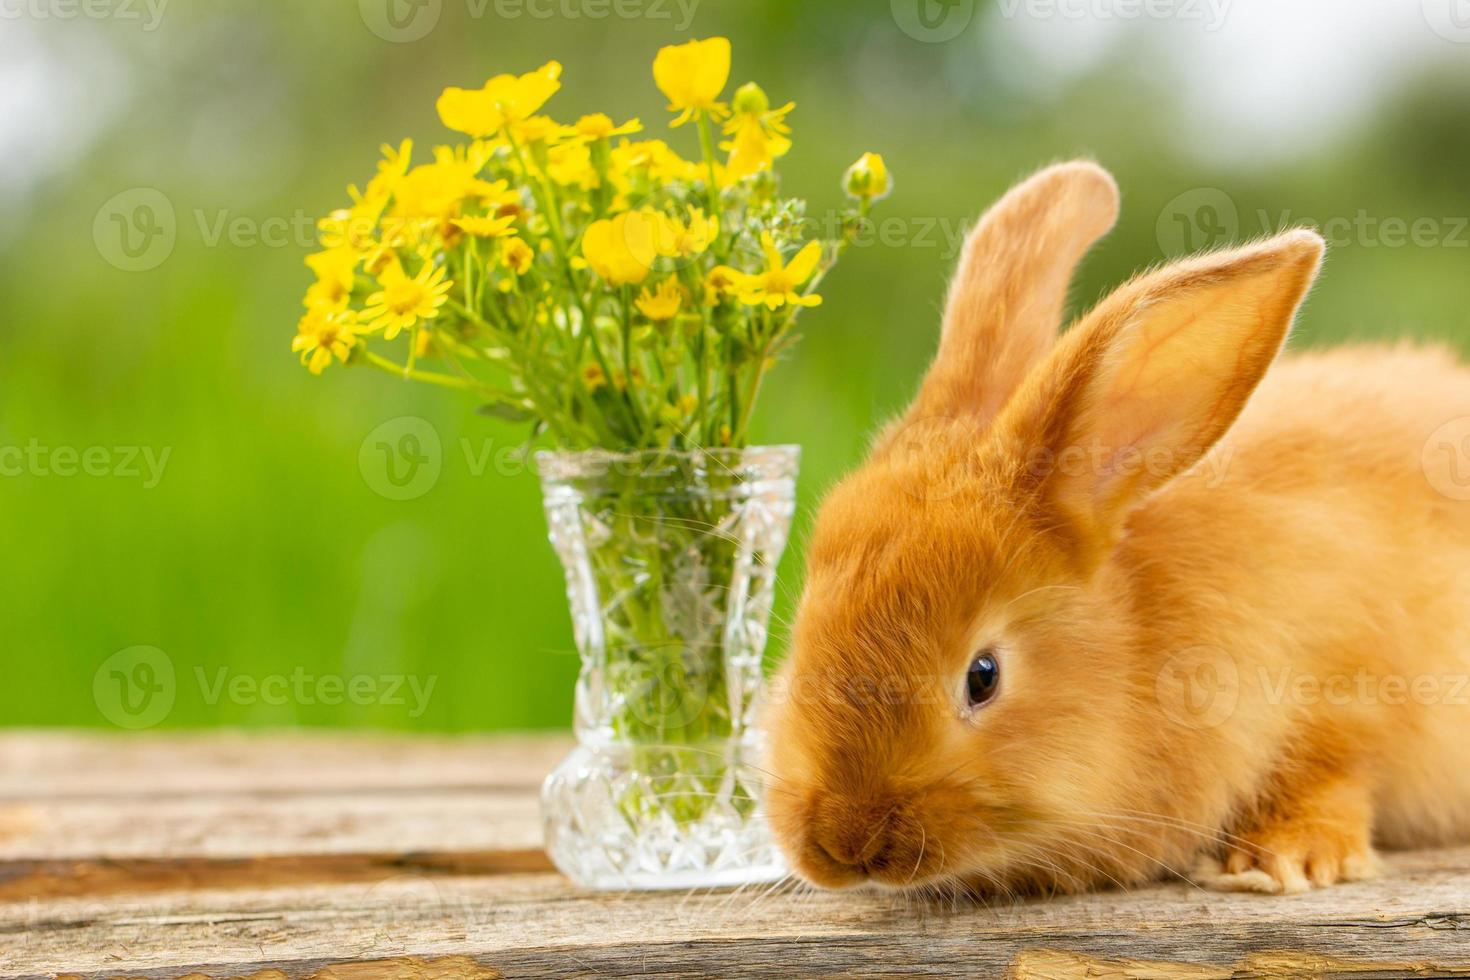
pixel 330 856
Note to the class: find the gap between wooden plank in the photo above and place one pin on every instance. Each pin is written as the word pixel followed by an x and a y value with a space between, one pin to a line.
pixel 27 880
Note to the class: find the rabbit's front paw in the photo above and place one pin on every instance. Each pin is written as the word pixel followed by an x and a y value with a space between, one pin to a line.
pixel 1288 863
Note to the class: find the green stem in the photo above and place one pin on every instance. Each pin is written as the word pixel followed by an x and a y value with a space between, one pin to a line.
pixel 428 377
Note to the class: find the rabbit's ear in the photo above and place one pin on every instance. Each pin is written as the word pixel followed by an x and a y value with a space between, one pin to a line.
pixel 1150 380
pixel 1006 301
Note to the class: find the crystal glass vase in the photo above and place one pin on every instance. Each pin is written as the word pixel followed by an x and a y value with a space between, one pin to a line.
pixel 670 563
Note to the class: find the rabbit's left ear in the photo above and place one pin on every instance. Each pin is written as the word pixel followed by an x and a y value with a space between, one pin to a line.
pixel 1006 300
pixel 1151 379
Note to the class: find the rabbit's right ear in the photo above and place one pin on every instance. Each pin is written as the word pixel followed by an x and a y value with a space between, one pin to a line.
pixel 1006 302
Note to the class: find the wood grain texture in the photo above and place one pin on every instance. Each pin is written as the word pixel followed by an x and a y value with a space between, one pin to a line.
pixel 325 857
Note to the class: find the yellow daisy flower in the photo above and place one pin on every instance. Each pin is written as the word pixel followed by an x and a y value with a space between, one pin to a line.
pixel 663 303
pixel 681 239
pixel 593 377
pixel 405 300
pixel 503 100
pixel 693 75
pixel 776 286
pixel 516 255
pixel 335 269
pixel 482 227
pixel 324 334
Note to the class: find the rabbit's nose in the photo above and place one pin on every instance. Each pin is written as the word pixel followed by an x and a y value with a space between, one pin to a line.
pixel 859 839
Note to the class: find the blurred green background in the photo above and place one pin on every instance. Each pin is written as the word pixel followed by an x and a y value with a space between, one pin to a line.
pixel 260 550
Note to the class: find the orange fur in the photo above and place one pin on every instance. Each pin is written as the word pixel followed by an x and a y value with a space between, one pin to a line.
pixel 1168 560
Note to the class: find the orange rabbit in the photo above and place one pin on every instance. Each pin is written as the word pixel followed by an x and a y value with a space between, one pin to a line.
pixel 1112 606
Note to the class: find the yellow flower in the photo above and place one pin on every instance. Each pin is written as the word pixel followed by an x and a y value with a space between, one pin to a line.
pixel 721 281
pixel 776 286
pixel 516 255
pixel 663 303
pixel 335 270
pixel 760 132
pixel 693 75
pixel 504 99
pixel 405 300
pixel 621 250
pixel 540 129
pixel 435 190
pixel 681 239
pixel 324 334
pixel 599 126
pixel 593 377
pixel 486 227
pixel 571 165
pixel 868 179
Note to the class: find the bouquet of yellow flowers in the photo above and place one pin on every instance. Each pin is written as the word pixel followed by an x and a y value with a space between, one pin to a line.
pixel 599 285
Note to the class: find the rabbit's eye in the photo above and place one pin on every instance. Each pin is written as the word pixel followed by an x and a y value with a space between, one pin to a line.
pixel 983 678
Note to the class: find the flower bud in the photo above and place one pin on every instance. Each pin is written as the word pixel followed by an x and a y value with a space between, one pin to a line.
pixel 868 179
pixel 751 99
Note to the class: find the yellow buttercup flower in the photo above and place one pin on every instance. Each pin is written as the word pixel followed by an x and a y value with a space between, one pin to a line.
pixel 486 227
pixel 504 99
pixel 335 269
pixel 516 255
pixel 405 300
pixel 324 334
pixel 868 179
pixel 663 303
pixel 776 286
pixel 760 132
pixel 621 250
pixel 599 126
pixel 693 75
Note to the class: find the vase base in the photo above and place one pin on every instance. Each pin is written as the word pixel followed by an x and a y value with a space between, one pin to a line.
pixel 658 817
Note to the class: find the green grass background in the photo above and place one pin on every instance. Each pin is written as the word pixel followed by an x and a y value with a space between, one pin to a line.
pixel 264 551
